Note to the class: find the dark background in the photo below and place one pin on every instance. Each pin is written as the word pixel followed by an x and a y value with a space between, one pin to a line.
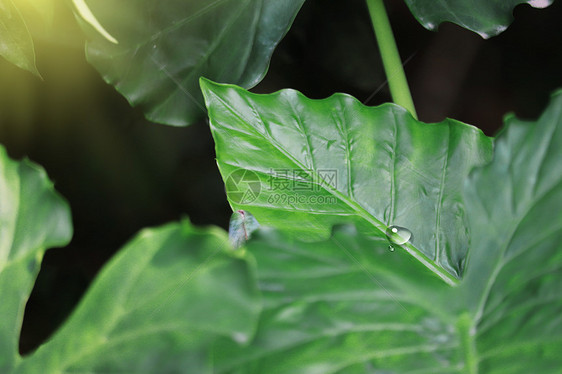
pixel 121 173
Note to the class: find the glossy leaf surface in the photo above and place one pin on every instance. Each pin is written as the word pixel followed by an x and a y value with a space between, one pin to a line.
pixel 33 217
pixel 157 307
pixel 310 164
pixel 485 17
pixel 16 44
pixel 165 46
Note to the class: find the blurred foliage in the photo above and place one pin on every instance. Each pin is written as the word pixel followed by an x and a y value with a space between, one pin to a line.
pixel 486 17
pixel 164 47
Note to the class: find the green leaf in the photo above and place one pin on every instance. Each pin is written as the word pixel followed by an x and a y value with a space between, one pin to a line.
pixel 485 17
pixel 348 305
pixel 165 46
pixel 513 278
pixel 157 307
pixel 310 164
pixel 344 305
pixel 16 44
pixel 33 217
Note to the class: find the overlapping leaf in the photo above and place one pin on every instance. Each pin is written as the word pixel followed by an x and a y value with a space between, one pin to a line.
pixel 165 46
pixel 33 217
pixel 485 17
pixel 157 307
pixel 304 165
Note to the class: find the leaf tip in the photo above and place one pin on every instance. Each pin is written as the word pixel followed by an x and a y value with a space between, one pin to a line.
pixel 205 84
pixel 87 15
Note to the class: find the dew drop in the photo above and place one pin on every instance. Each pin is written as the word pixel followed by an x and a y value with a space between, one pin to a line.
pixel 398 235
pixel 391 248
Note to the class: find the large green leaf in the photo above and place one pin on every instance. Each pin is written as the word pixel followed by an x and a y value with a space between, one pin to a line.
pixel 165 46
pixel 16 44
pixel 157 307
pixel 33 217
pixel 485 17
pixel 303 165
pixel 349 306
pixel 345 305
pixel 514 278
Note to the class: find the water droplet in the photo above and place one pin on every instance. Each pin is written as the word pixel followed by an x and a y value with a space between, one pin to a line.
pixel 391 248
pixel 398 235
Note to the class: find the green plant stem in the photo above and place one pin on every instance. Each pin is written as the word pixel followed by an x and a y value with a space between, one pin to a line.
pixel 390 57
pixel 466 334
